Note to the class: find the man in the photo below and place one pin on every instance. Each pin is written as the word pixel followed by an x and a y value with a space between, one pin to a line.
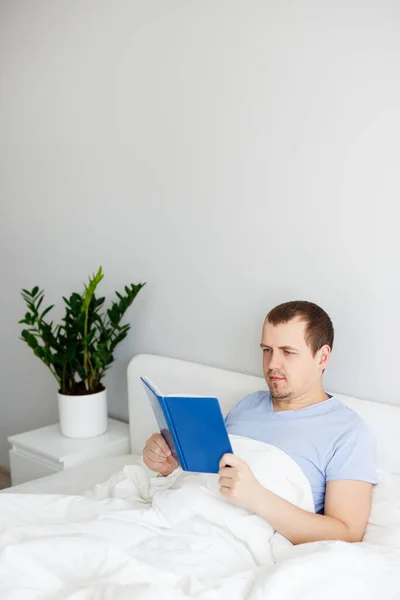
pixel 327 440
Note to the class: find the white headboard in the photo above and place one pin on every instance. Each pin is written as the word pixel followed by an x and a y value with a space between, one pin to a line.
pixel 178 376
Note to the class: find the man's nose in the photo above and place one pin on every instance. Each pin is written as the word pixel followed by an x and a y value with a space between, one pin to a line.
pixel 274 362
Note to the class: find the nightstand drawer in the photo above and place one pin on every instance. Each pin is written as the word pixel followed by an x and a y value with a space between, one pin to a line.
pixel 46 451
pixel 25 468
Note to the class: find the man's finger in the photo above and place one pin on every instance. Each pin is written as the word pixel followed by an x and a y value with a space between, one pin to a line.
pixel 225 491
pixel 162 444
pixel 156 456
pixel 171 460
pixel 225 482
pixel 228 472
pixel 156 449
pixel 230 460
pixel 155 465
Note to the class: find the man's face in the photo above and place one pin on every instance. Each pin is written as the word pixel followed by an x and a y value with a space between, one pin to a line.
pixel 290 369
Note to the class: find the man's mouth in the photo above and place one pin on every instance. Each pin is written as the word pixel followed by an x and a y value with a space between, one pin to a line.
pixel 277 378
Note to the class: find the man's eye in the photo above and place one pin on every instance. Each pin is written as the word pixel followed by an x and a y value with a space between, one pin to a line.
pixel 285 351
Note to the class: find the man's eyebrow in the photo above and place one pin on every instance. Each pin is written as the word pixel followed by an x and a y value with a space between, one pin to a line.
pixel 281 347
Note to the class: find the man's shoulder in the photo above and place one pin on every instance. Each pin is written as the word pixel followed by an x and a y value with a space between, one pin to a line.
pixel 349 414
pixel 352 453
pixel 352 424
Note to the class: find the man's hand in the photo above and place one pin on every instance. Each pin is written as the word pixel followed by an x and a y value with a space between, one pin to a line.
pixel 238 483
pixel 157 456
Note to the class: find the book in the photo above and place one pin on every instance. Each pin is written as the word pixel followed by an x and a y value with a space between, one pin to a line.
pixel 192 426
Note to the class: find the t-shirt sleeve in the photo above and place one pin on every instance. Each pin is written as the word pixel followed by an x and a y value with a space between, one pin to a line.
pixel 353 456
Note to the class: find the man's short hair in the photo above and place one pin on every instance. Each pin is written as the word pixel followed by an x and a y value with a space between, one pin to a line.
pixel 319 329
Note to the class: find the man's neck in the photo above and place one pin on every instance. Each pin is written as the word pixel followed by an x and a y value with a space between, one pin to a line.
pixel 295 403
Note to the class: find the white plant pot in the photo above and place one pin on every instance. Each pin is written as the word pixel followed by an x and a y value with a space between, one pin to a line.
pixel 83 416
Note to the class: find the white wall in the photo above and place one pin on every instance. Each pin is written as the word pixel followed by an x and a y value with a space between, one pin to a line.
pixel 234 154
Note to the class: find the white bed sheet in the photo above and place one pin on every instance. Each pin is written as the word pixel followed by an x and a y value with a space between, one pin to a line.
pixel 76 480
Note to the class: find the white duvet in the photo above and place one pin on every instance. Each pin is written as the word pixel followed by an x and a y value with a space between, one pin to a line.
pixel 137 536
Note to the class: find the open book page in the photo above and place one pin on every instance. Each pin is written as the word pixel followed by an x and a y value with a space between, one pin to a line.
pixel 181 395
pixel 152 386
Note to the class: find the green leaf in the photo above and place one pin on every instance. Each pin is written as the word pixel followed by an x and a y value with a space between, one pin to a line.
pixel 38 351
pixel 90 289
pixel 28 302
pixel 70 354
pixel 46 311
pixel 100 301
pixel 29 338
pixel 40 302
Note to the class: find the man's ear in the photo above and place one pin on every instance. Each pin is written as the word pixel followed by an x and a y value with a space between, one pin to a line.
pixel 324 356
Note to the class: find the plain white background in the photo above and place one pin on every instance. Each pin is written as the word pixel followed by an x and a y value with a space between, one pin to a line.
pixel 233 154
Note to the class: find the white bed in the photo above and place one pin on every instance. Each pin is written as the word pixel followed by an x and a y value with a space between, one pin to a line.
pixel 236 563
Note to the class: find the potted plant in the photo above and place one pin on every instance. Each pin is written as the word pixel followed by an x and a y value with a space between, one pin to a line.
pixel 79 351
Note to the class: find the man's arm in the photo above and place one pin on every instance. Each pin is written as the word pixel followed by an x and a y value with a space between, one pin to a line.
pixel 347 506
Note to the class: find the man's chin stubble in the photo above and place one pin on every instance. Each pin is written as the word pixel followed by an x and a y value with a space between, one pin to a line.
pixel 280 395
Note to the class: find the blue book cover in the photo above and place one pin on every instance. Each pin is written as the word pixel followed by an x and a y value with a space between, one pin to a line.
pixel 192 426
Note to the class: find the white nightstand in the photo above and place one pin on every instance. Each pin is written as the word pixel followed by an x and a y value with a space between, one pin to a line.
pixel 46 451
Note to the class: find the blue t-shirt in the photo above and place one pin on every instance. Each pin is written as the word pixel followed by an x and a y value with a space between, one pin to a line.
pixel 327 440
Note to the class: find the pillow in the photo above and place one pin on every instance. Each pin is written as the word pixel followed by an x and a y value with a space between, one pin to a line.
pixel 384 521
